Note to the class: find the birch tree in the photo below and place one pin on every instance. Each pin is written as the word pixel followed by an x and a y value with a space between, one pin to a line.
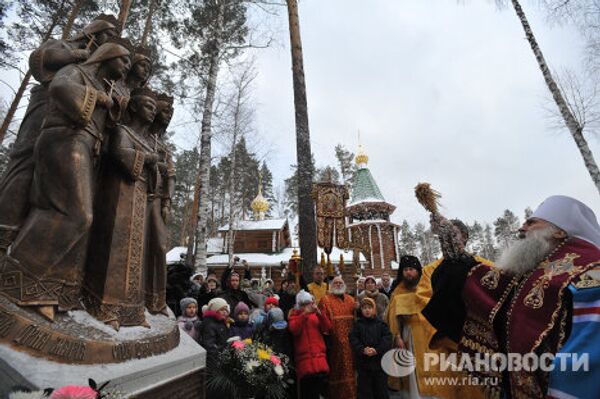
pixel 241 112
pixel 209 32
pixel 567 111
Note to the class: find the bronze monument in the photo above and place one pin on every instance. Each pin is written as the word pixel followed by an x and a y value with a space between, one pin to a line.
pixel 84 205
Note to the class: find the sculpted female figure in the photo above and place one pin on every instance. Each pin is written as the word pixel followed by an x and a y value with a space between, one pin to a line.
pixel 44 63
pixel 160 191
pixel 49 253
pixel 113 283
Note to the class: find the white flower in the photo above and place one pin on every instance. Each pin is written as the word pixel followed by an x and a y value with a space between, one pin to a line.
pixel 279 370
pixel 252 364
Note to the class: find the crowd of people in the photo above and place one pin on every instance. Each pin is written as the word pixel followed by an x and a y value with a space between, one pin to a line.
pixel 336 338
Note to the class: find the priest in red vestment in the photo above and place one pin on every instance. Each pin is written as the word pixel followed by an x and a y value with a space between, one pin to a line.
pixel 339 307
pixel 522 306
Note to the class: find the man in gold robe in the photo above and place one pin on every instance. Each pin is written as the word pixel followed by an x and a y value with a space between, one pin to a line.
pixel 339 308
pixel 409 327
pixel 318 288
pixel 437 343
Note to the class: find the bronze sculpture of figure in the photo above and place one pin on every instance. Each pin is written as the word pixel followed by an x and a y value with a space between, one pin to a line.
pixel 49 253
pixel 44 63
pixel 113 280
pixel 160 191
pixel 84 205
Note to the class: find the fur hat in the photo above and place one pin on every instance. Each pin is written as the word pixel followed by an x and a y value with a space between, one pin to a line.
pixel 272 300
pixel 239 308
pixel 215 305
pixel 303 297
pixel 185 302
pixel 368 302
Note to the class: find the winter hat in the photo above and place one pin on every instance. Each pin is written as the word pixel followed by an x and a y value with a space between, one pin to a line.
pixel 239 308
pixel 196 275
pixel 215 304
pixel 271 300
pixel 183 304
pixel 370 278
pixel 367 302
pixel 275 314
pixel 276 319
pixel 410 261
pixel 303 297
pixel 212 278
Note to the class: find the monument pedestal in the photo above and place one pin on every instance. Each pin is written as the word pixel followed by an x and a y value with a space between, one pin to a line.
pixel 176 374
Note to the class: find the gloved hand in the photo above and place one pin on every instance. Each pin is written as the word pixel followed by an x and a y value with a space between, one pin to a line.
pixel 188 325
pixel 197 324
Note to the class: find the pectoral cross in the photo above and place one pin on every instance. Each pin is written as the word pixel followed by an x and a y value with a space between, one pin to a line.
pixel 111 86
pixel 90 42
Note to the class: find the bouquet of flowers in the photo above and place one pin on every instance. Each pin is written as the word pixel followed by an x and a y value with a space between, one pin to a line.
pixel 247 369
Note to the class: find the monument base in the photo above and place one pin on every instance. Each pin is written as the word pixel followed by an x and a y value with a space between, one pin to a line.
pixel 176 374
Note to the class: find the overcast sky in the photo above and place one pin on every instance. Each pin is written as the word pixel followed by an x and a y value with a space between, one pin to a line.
pixel 442 91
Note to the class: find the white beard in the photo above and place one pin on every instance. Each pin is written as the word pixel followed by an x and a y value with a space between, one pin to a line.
pixel 526 253
pixel 337 291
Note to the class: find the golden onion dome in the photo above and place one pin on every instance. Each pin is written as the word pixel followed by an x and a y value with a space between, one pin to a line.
pixel 260 205
pixel 361 157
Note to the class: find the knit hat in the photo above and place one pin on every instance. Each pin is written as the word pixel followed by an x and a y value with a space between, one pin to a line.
pixel 239 308
pixel 185 302
pixel 272 300
pixel 303 297
pixel 367 302
pixel 276 319
pixel 215 304
pixel 370 278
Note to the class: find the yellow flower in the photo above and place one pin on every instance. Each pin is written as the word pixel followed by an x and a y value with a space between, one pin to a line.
pixel 247 341
pixel 263 354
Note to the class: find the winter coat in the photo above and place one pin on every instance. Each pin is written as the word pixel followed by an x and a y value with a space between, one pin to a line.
pixel 191 325
pixel 374 333
pixel 310 352
pixel 286 302
pixel 234 296
pixel 279 340
pixel 213 334
pixel 241 330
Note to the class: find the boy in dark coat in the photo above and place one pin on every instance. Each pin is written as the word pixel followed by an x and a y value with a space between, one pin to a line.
pixel 370 340
pixel 275 333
